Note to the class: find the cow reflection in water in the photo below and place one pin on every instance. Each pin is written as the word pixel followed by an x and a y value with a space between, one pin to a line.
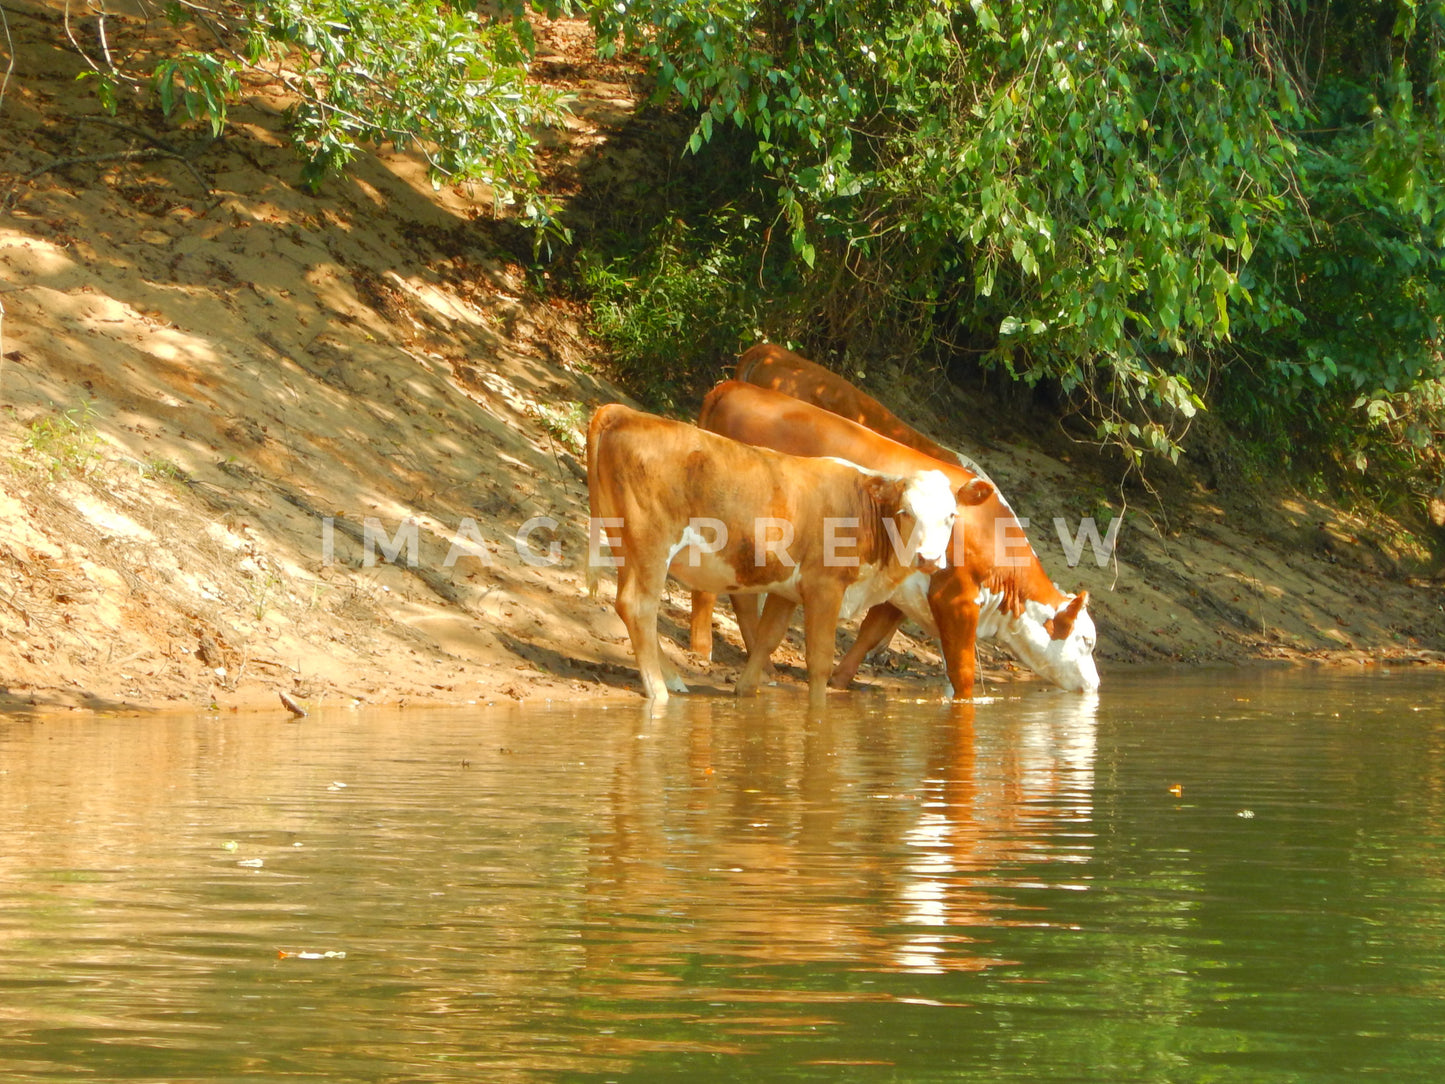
pixel 745 834
pixel 985 824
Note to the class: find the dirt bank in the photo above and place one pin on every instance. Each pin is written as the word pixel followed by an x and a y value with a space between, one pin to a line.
pixel 223 401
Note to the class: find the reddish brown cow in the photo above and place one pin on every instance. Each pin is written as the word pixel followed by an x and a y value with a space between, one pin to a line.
pixel 993 585
pixel 770 366
pixel 722 516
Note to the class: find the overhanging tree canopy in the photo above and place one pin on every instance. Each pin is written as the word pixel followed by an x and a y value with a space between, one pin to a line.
pixel 1146 205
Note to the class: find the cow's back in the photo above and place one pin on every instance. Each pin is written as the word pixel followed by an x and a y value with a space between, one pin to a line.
pixel 679 471
pixel 636 459
pixel 769 418
pixel 770 366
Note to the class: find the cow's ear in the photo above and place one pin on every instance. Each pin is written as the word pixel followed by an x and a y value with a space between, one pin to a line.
pixel 881 489
pixel 974 492
pixel 1062 623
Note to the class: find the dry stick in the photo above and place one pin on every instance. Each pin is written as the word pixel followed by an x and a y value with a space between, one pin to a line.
pixel 142 154
pixel 17 608
pixel 131 129
pixel 1259 602
pixel 557 459
pixel 104 44
pixel 10 52
pixel 4 84
pixel 69 33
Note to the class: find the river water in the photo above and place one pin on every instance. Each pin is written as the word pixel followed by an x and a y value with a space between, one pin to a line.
pixel 1197 876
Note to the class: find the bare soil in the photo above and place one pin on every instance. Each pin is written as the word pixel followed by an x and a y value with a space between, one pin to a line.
pixel 223 400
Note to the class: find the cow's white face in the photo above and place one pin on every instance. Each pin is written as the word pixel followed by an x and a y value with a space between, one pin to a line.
pixel 930 501
pixel 1057 644
pixel 1072 656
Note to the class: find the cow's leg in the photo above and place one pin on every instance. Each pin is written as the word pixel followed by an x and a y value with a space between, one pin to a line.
pixel 772 627
pixel 957 621
pixel 638 594
pixel 746 608
pixel 878 627
pixel 701 638
pixel 670 677
pixel 820 629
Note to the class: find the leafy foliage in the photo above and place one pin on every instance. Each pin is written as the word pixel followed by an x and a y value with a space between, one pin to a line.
pixel 1134 202
pixel 676 311
pixel 1344 345
pixel 1146 207
pixel 421 73
pixel 199 83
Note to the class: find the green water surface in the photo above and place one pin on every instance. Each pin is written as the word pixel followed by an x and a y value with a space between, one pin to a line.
pixel 1199 876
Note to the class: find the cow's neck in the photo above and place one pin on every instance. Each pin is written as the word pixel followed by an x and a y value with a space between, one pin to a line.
pixel 1014 605
pixel 1012 587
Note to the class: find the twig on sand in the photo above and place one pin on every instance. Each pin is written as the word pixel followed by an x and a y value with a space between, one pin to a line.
pixel 290 705
pixel 9 54
pixel 158 149
pixel 135 154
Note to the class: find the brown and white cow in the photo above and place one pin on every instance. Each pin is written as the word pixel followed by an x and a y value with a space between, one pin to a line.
pixel 718 515
pixel 770 366
pixel 993 586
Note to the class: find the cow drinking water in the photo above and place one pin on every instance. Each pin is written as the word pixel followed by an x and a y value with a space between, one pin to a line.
pixel 994 585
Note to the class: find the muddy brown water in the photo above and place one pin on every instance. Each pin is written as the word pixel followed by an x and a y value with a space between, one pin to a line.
pixel 1199 876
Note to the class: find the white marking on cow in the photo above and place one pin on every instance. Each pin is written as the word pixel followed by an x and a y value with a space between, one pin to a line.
pixel 694 539
pixel 864 593
pixel 791 588
pixel 973 468
pixel 1067 662
pixel 930 499
pixel 912 598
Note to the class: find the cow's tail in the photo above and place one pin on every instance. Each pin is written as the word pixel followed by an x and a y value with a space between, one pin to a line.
pixel 750 359
pixel 593 573
pixel 594 499
pixel 705 412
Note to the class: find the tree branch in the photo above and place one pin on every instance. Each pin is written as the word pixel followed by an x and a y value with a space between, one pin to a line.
pixel 10 57
pixel 141 154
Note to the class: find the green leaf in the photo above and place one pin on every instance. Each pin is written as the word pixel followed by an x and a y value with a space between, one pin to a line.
pixel 986 18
